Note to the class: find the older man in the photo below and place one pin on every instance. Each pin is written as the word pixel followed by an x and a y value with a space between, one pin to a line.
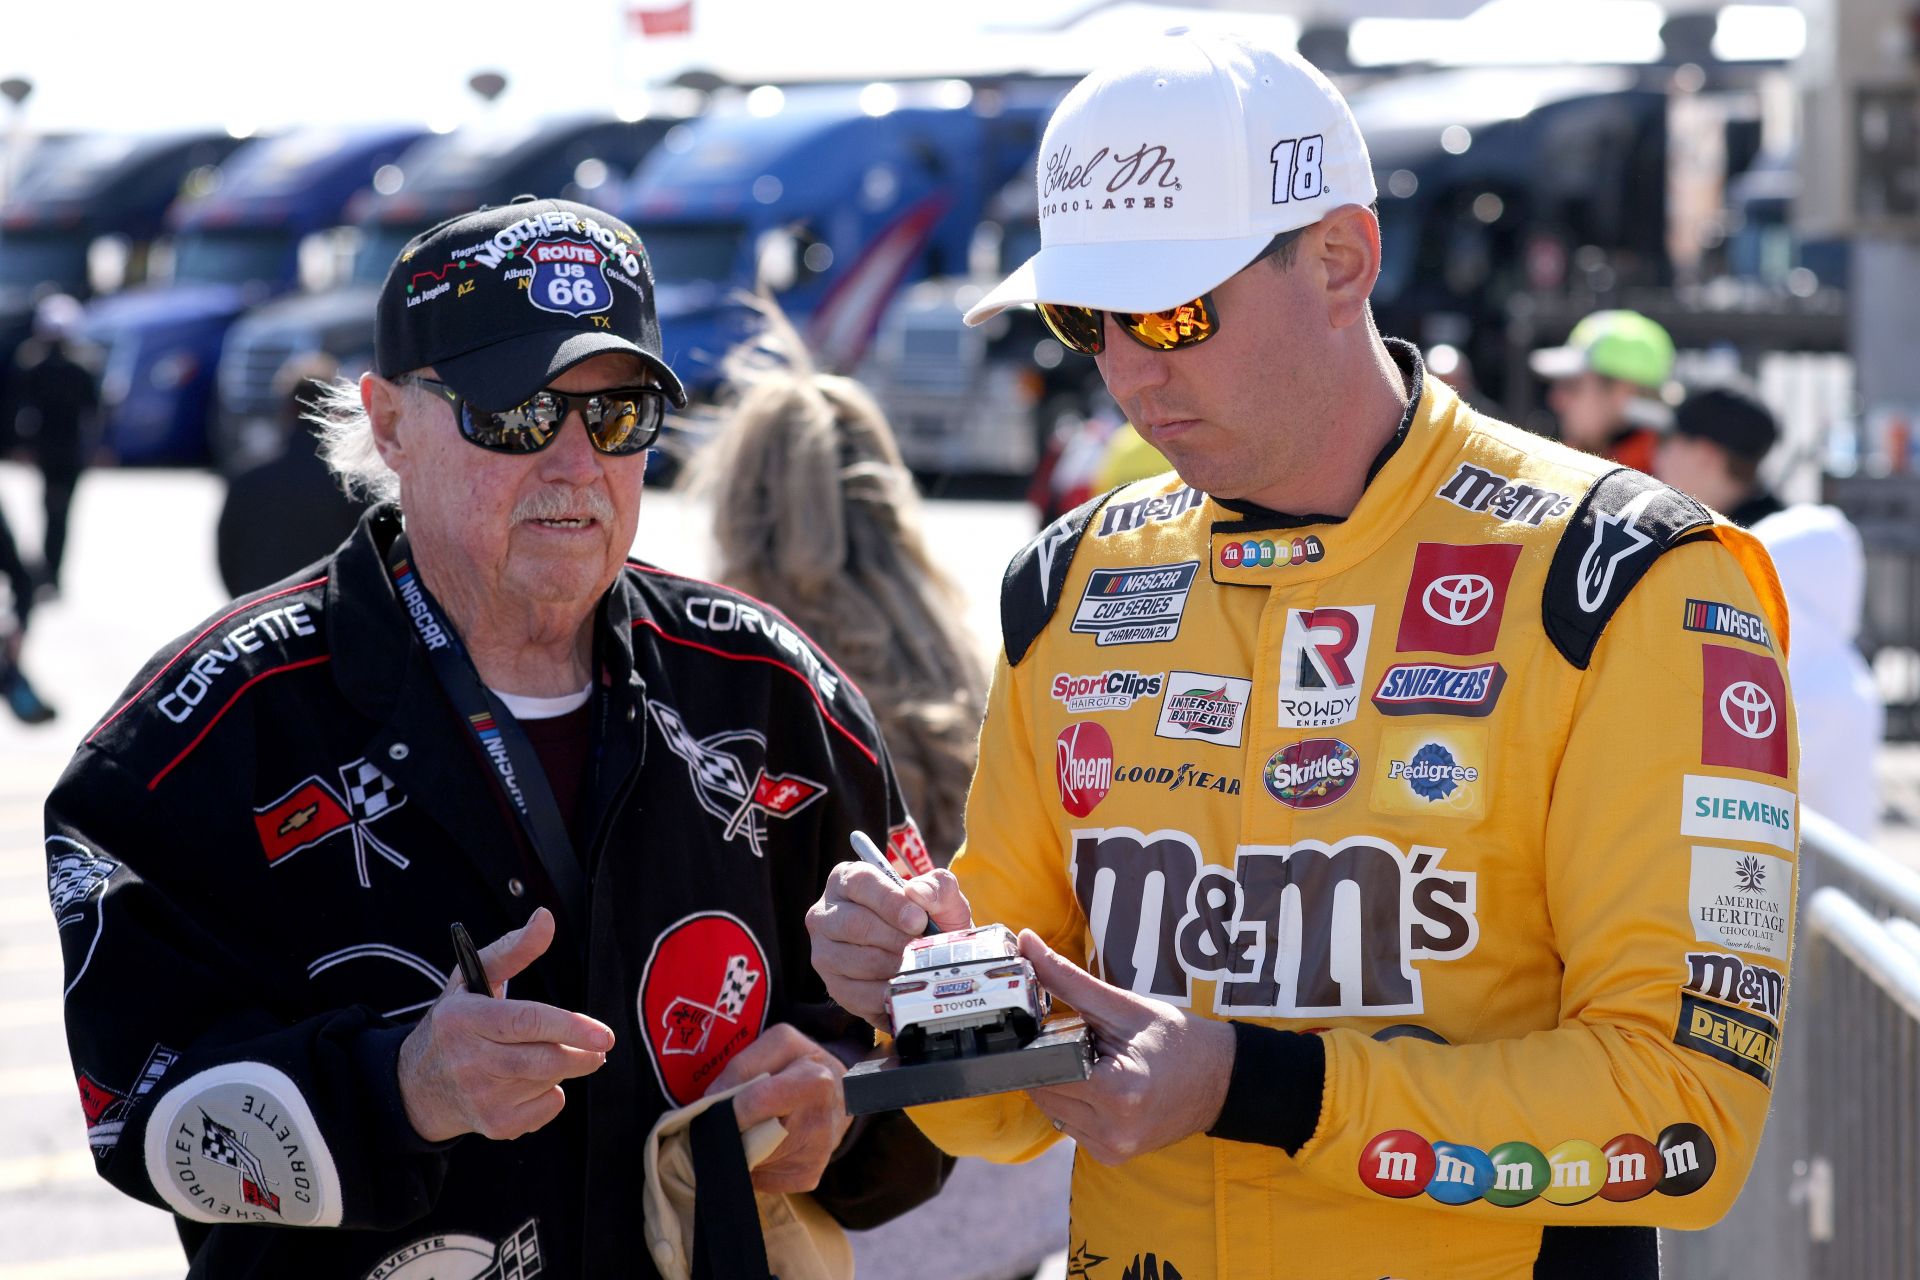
pixel 1427 845
pixel 477 710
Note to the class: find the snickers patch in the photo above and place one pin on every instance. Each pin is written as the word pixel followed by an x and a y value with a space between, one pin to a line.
pixel 1438 689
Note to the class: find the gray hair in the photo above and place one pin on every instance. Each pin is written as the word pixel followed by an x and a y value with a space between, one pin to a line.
pixel 346 442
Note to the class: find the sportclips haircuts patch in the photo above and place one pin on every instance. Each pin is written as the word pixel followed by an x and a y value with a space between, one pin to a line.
pixel 703 998
pixel 238 1143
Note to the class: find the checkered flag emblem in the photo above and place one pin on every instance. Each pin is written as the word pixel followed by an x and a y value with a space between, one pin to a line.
pixel 223 1146
pixel 218 1144
pixel 518 1257
pixel 739 982
pixel 689 1023
pixel 74 874
pixel 370 792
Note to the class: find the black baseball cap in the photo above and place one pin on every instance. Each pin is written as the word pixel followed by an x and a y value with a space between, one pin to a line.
pixel 502 301
pixel 1731 416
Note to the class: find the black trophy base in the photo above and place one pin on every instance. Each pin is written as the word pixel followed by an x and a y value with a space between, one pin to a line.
pixel 1060 1054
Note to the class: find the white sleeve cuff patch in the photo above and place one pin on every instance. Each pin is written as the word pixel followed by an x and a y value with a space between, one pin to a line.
pixel 238 1143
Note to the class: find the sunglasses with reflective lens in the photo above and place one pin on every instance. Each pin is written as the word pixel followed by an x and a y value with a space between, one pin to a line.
pixel 620 421
pixel 1083 329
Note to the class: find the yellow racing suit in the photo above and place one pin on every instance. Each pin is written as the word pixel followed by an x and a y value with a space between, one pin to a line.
pixel 1474 811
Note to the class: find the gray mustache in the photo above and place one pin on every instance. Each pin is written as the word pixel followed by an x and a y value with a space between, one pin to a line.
pixel 564 504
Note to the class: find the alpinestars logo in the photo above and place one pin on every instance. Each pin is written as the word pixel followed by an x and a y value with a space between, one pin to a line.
pixel 741 801
pixel 1056 536
pixel 314 811
pixel 1615 538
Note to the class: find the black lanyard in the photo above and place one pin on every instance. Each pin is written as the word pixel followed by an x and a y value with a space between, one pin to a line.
pixel 517 774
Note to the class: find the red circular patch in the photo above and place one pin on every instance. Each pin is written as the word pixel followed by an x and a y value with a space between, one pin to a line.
pixel 703 998
pixel 1397 1163
pixel 1084 754
pixel 1633 1167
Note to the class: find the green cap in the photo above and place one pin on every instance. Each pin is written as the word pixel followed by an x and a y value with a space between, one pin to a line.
pixel 1615 344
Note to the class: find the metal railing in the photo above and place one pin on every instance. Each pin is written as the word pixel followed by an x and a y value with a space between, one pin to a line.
pixel 1835 1187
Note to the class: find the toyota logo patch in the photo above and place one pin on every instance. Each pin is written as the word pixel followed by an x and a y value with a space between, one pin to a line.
pixel 1458 600
pixel 1747 710
pixel 1743 710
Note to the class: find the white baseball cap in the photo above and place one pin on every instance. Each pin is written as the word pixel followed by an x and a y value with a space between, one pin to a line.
pixel 1162 176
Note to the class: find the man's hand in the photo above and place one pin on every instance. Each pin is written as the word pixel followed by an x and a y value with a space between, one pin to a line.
pixel 493 1067
pixel 864 921
pixel 802 1089
pixel 1161 1075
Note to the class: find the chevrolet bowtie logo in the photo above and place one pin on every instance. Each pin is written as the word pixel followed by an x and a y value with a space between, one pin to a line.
pixel 298 819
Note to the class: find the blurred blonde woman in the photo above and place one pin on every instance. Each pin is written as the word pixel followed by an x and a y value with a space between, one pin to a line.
pixel 815 513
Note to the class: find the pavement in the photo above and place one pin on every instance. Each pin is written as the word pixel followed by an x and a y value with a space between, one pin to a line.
pixel 140 571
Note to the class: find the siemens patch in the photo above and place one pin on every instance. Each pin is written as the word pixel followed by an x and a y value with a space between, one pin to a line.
pixel 1137 605
pixel 1733 809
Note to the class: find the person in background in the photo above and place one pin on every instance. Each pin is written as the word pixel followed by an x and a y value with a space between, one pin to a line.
pixel 15 689
pixel 816 514
pixel 1450 364
pixel 59 398
pixel 1128 457
pixel 287 512
pixel 1822 568
pixel 1608 384
pixel 1719 436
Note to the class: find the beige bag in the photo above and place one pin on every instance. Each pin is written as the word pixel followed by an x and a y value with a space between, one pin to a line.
pixel 803 1241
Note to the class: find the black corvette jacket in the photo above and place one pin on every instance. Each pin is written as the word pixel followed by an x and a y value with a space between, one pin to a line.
pixel 254 859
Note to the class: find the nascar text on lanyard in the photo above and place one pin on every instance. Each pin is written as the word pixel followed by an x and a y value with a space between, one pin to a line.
pixel 517 771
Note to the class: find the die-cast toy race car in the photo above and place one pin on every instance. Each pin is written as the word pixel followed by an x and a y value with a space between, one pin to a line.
pixel 964 993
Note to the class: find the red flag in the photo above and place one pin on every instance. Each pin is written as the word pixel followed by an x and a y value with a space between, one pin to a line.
pixel 676 20
pixel 780 794
pixel 303 817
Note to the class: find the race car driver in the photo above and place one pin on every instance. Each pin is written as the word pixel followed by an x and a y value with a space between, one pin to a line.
pixel 1406 802
pixel 634 783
